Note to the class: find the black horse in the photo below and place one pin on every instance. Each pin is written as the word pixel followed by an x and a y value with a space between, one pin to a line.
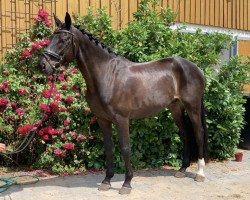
pixel 119 90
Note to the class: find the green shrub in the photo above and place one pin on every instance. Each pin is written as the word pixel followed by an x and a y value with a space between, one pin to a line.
pixel 77 142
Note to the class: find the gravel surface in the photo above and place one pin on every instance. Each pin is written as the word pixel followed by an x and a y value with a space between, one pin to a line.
pixel 224 180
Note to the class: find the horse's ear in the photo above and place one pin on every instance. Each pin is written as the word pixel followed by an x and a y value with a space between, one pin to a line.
pixel 67 20
pixel 57 21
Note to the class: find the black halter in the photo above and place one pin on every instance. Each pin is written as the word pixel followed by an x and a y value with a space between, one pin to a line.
pixel 47 53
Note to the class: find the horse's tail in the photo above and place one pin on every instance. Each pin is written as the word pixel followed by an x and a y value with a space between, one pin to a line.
pixel 192 142
pixel 204 126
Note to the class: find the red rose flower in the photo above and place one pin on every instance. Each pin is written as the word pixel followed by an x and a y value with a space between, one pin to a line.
pixel 76 88
pixel 62 109
pixel 25 129
pixel 5 89
pixel 69 99
pixel 42 13
pixel 22 91
pixel 61 77
pixel 38 123
pixel 46 137
pixel 54 106
pixel 93 119
pixel 35 45
pixel 44 107
pixel 44 42
pixel 20 111
pixel 26 54
pixel 4 101
pixel 46 93
pixel 60 131
pixel 80 137
pixel 63 137
pixel 41 133
pixel 73 135
pixel 57 96
pixel 6 83
pixel 69 146
pixel 57 152
pixel 66 122
pixel 50 77
pixel 73 71
pixel 64 87
pixel 52 131
pixel 6 118
pixel 4 86
pixel 47 129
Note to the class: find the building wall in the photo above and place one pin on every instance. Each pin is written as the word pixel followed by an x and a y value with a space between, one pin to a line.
pixel 244 50
pixel 16 16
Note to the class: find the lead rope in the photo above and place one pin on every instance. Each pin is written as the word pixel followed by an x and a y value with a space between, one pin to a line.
pixel 10 181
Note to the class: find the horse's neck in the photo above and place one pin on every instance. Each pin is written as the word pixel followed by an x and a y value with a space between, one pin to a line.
pixel 93 62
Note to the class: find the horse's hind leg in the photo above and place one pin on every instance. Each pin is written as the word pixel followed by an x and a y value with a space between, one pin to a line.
pixel 194 112
pixel 177 112
pixel 106 128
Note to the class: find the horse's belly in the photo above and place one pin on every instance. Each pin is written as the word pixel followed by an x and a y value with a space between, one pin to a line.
pixel 146 111
pixel 149 103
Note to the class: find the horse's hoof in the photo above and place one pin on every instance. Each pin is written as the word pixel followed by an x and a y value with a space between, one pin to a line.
pixel 104 187
pixel 179 174
pixel 125 190
pixel 199 178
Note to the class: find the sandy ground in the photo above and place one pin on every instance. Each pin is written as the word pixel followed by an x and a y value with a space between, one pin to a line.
pixel 225 181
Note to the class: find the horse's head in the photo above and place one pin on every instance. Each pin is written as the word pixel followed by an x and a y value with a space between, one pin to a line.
pixel 62 47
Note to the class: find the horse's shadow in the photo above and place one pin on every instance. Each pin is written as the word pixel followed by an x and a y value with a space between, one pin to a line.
pixel 90 180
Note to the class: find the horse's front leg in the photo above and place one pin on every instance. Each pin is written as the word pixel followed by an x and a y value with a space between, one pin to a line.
pixel 106 127
pixel 122 124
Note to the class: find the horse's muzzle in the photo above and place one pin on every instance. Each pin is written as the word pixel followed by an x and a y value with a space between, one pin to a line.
pixel 47 67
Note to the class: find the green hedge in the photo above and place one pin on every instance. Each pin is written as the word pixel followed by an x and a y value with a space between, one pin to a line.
pixel 70 138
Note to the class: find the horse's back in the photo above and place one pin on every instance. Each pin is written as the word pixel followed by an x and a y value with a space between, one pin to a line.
pixel 183 77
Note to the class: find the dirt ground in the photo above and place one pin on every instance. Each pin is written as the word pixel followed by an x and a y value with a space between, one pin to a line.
pixel 225 181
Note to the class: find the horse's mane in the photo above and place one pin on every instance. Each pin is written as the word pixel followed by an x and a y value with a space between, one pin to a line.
pixel 95 40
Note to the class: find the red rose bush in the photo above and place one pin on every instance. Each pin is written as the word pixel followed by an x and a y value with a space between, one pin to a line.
pixel 64 126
